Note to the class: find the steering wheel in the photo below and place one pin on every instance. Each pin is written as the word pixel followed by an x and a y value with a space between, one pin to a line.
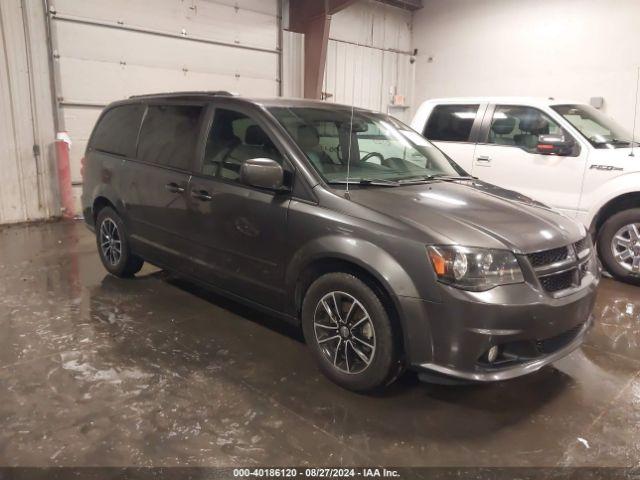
pixel 371 155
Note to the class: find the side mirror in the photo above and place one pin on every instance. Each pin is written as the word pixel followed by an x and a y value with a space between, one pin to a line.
pixel 262 173
pixel 554 145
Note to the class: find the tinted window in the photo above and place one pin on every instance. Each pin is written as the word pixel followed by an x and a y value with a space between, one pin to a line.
pixel 169 135
pixel 118 129
pixel 451 123
pixel 520 127
pixel 234 138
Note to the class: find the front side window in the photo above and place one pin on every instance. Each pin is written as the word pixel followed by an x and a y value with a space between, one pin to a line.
pixel 117 130
pixel 169 135
pixel 235 137
pixel 520 126
pixel 371 146
pixel 601 131
pixel 451 123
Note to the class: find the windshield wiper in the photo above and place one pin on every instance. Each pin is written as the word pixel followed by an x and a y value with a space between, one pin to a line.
pixel 436 176
pixel 366 181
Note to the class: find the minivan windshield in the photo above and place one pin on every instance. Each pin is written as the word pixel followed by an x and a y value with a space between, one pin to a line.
pixel 600 130
pixel 373 148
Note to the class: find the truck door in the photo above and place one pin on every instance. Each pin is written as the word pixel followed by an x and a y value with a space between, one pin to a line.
pixel 454 129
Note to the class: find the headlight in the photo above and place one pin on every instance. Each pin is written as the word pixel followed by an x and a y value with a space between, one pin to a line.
pixel 474 269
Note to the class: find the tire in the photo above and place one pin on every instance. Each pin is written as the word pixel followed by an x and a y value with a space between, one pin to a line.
pixel 110 228
pixel 616 226
pixel 378 362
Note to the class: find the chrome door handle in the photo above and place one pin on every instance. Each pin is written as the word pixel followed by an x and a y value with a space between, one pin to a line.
pixel 174 187
pixel 201 195
pixel 484 159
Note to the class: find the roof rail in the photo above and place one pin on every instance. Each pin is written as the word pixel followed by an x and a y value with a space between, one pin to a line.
pixel 222 93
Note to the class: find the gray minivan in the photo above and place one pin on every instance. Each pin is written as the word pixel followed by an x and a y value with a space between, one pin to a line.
pixel 346 222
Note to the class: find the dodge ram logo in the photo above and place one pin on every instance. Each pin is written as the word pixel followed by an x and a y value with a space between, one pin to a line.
pixel 605 167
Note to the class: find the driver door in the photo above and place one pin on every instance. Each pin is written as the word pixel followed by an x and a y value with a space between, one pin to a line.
pixel 507 156
pixel 239 232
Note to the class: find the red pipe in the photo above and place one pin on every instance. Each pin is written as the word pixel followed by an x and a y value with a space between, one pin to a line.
pixel 64 178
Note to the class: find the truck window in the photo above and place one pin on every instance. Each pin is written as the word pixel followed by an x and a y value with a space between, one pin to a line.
pixel 451 123
pixel 169 135
pixel 520 126
pixel 117 130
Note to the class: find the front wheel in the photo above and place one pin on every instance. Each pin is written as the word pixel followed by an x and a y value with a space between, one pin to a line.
pixel 619 245
pixel 113 245
pixel 350 333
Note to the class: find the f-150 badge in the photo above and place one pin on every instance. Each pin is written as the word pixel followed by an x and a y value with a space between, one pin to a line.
pixel 607 168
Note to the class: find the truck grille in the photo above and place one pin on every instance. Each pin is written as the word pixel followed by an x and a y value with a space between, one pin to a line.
pixel 561 268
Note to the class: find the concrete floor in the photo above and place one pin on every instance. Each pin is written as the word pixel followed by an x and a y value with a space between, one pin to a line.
pixel 100 371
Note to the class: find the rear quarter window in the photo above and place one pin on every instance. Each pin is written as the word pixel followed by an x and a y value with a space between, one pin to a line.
pixel 451 123
pixel 117 130
pixel 169 135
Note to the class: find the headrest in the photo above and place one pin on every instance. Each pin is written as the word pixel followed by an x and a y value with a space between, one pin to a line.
pixel 307 136
pixel 256 136
pixel 503 126
pixel 534 124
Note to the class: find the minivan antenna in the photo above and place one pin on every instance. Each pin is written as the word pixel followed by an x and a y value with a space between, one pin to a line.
pixel 635 114
pixel 346 191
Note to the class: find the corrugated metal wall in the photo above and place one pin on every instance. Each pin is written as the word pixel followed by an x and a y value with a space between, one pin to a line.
pixel 368 58
pixel 110 49
pixel 27 189
pixel 293 64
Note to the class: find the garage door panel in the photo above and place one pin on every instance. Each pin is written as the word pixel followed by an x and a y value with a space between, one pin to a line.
pixel 85 81
pixel 80 120
pixel 198 19
pixel 108 45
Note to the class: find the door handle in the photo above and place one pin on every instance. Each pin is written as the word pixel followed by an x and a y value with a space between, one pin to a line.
pixel 174 187
pixel 201 195
pixel 484 159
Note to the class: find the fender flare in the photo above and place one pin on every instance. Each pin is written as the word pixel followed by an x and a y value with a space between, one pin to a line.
pixel 626 184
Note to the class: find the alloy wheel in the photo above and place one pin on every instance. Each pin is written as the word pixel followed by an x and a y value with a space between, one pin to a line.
pixel 344 332
pixel 625 247
pixel 110 242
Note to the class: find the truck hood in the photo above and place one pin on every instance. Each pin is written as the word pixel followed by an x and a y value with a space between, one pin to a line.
pixel 473 213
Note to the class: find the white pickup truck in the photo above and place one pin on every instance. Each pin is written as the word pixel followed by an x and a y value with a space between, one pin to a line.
pixel 565 154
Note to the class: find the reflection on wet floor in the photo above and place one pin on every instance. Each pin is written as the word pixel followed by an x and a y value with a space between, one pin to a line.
pixel 96 370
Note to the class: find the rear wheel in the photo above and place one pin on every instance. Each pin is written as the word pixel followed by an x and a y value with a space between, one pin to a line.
pixel 350 333
pixel 619 245
pixel 113 245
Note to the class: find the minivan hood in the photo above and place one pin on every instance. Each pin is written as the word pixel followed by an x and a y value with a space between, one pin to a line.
pixel 473 213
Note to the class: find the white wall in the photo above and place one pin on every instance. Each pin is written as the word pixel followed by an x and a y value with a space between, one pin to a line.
pixel 562 48
pixel 368 57
pixel 28 189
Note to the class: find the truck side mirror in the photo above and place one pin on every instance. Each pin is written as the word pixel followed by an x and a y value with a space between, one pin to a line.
pixel 554 145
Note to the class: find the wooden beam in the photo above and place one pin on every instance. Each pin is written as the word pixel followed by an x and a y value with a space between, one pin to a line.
pixel 313 18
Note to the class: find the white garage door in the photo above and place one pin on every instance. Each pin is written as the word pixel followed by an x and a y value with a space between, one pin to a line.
pixel 106 50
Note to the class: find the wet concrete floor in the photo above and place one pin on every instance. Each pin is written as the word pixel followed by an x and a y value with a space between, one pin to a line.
pixel 154 371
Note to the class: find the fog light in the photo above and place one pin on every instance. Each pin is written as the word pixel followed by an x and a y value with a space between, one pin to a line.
pixel 492 354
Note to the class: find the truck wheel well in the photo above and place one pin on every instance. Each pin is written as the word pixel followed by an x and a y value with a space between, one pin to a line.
pixel 98 204
pixel 618 204
pixel 319 267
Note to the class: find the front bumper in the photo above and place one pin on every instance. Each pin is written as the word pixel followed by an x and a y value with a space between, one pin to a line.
pixel 530 327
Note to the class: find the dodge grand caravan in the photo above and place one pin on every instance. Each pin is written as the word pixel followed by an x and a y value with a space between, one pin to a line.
pixel 566 154
pixel 343 221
